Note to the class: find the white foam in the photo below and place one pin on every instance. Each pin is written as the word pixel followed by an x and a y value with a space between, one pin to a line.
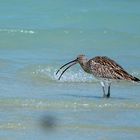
pixel 75 76
pixel 69 76
pixel 17 31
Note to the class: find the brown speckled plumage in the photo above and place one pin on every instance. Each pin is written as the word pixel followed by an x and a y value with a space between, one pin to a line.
pixel 104 67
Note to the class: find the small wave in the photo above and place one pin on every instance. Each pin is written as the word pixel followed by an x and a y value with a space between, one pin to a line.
pixel 45 104
pixel 17 31
pixel 76 76
pixel 12 126
pixel 48 73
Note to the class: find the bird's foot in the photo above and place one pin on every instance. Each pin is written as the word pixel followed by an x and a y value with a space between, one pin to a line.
pixel 106 96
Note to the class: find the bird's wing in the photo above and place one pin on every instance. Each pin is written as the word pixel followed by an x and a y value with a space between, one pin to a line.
pixel 105 67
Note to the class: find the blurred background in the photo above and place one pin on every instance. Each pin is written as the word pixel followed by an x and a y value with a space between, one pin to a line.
pixel 36 38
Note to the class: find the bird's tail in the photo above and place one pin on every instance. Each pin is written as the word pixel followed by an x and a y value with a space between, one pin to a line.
pixel 135 79
pixel 130 77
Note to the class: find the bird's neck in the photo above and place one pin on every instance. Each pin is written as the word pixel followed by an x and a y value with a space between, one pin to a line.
pixel 85 66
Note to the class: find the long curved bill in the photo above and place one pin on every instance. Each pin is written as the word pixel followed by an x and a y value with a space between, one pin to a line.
pixel 73 63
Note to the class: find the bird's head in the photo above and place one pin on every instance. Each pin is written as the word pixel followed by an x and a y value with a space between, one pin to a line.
pixel 81 59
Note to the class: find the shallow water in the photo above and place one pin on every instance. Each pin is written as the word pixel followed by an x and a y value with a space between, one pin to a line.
pixel 36 39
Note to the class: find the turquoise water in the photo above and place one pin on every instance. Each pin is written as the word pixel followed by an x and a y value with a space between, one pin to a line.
pixel 36 38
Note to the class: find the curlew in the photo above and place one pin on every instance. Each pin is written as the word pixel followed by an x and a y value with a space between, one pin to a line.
pixel 103 68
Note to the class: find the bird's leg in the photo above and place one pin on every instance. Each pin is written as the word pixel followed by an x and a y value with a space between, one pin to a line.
pixel 103 87
pixel 108 93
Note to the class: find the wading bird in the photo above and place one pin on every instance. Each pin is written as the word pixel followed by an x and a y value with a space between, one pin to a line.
pixel 103 68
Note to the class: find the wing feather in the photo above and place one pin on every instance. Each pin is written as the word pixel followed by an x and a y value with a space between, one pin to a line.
pixel 104 67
